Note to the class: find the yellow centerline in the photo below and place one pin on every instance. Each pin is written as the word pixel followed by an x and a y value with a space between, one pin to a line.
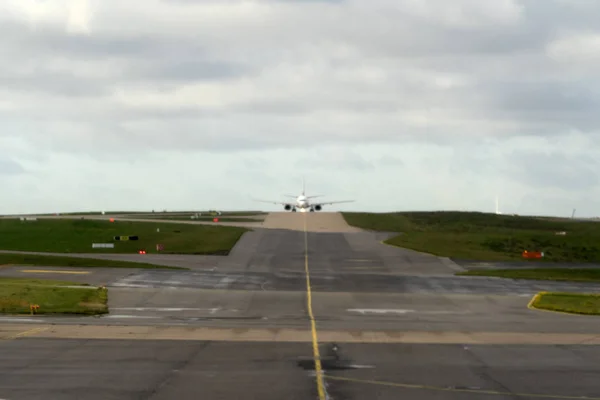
pixel 313 325
pixel 26 333
pixel 53 271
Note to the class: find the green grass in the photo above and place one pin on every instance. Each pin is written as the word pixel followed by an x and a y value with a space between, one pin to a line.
pixel 486 237
pixel 40 282
pixel 201 218
pixel 62 261
pixel 547 274
pixel 204 213
pixel 237 213
pixel 574 303
pixel 224 213
pixel 16 296
pixel 77 236
pixel 85 213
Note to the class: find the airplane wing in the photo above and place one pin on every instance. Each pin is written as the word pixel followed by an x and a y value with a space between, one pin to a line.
pixel 284 203
pixel 331 202
pixel 308 197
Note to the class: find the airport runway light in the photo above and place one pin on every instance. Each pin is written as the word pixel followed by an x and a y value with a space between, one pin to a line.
pixel 215 219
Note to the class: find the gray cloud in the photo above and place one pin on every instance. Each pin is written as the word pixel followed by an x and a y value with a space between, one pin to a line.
pixel 189 71
pixel 425 50
pixel 53 40
pixel 10 167
pixel 54 83
pixel 554 170
pixel 335 158
pixel 390 161
pixel 199 2
pixel 136 58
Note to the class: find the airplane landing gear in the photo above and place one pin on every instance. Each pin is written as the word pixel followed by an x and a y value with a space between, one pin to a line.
pixel 294 209
pixel 312 210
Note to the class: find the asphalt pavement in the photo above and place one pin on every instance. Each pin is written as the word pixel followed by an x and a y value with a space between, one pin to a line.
pixel 162 369
pixel 389 323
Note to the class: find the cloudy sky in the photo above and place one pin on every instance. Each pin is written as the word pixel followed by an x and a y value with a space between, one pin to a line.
pixel 398 104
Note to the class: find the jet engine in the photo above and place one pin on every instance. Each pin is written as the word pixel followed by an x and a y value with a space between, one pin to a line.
pixel 287 207
pixel 318 207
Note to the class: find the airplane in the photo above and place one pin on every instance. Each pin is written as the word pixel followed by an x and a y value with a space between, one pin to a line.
pixel 303 203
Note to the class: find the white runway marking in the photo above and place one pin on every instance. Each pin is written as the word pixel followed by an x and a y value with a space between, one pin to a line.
pixel 17 319
pixel 130 285
pixel 358 366
pixel 225 282
pixel 171 309
pixel 130 316
pixel 378 311
pixel 364 311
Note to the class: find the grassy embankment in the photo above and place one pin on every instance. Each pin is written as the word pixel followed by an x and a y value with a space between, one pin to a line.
pixel 543 274
pixel 150 212
pixel 573 303
pixel 491 237
pixel 77 236
pixel 172 213
pixel 202 218
pixel 486 237
pixel 52 297
pixel 8 259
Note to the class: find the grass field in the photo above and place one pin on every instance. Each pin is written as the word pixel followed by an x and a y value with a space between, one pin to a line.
pixel 77 236
pixel 574 303
pixel 486 237
pixel 201 218
pixel 16 296
pixel 546 274
pixel 63 261
pixel 236 213
pixel 85 213
pixel 150 212
pixel 203 213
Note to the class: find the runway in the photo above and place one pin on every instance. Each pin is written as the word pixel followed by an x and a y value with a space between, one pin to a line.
pixel 111 369
pixel 388 323
pixel 130 369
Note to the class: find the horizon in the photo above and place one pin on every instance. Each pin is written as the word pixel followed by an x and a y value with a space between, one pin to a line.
pixel 169 211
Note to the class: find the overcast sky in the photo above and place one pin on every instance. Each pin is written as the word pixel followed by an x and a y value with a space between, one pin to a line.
pixel 398 104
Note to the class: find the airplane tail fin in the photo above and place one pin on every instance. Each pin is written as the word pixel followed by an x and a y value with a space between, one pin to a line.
pixel 303 187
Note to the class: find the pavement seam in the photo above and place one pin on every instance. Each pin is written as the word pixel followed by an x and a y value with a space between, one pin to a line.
pixel 315 340
pixel 458 390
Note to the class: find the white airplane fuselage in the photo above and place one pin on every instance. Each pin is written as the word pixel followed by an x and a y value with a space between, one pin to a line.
pixel 303 202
